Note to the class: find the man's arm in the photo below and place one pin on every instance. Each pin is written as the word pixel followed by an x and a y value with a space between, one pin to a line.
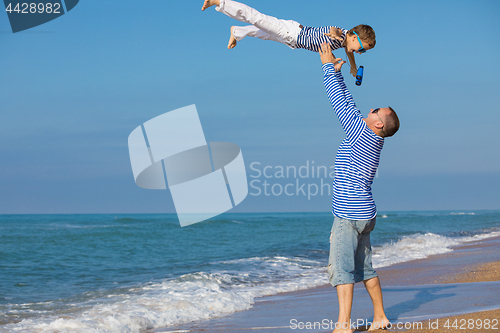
pixel 326 55
pixel 336 33
pixel 338 94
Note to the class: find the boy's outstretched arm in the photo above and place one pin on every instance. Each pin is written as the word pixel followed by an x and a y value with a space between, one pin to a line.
pixel 352 63
pixel 336 33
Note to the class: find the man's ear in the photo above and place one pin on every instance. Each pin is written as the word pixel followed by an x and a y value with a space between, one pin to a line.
pixel 378 124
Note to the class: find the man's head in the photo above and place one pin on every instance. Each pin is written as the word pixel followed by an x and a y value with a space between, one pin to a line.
pixel 383 121
pixel 361 37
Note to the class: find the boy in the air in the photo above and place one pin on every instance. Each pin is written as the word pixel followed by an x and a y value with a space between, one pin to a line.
pixel 291 33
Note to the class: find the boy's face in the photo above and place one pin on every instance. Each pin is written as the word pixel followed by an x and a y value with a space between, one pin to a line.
pixel 353 45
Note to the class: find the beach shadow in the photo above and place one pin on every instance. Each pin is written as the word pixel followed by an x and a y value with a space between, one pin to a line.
pixel 423 296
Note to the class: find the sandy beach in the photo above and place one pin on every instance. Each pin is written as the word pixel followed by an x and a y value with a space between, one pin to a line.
pixel 410 288
pixel 475 321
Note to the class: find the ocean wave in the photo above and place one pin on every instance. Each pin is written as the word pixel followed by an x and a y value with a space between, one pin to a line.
pixel 190 297
pixel 217 289
pixel 128 219
pixel 419 246
pixel 75 226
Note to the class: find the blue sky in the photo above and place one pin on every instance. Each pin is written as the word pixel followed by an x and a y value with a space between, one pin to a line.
pixel 73 89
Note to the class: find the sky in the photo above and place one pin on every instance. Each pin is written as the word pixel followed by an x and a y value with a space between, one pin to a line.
pixel 73 89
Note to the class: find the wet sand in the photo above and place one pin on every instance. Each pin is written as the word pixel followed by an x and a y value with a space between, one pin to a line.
pixel 484 321
pixel 439 276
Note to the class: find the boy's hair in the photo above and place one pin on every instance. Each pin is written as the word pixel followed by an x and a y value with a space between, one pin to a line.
pixel 391 125
pixel 366 33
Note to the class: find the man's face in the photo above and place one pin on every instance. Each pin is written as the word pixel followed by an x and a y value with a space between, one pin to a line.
pixel 376 119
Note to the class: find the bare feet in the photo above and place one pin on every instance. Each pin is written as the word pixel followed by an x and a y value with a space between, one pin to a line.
pixel 210 3
pixel 380 324
pixel 342 328
pixel 232 40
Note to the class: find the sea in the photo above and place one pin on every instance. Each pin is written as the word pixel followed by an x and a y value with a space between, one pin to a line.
pixel 131 273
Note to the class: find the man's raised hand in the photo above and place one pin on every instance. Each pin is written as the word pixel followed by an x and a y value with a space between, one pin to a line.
pixel 326 55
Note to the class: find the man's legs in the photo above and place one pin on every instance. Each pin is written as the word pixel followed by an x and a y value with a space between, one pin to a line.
pixel 380 320
pixel 365 272
pixel 344 294
pixel 350 261
pixel 343 244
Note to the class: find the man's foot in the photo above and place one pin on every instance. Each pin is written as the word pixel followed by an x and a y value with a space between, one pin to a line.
pixel 210 3
pixel 232 40
pixel 380 324
pixel 342 328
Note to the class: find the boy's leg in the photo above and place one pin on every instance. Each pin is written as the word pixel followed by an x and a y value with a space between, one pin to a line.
pixel 271 28
pixel 241 32
pixel 238 33
pixel 210 3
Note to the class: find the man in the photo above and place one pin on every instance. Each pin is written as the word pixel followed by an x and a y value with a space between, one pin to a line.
pixel 353 206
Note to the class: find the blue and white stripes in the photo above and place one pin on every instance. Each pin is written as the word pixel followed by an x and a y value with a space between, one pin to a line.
pixel 358 155
pixel 311 38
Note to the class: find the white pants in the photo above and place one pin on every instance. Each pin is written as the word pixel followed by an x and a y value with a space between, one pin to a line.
pixel 263 26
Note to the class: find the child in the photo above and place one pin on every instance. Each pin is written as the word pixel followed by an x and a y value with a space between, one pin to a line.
pixel 359 39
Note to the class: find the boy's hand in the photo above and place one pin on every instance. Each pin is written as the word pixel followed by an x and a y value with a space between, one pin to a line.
pixel 352 62
pixel 354 71
pixel 326 55
pixel 335 33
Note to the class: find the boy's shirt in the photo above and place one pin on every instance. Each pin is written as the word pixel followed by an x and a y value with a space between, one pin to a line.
pixel 357 157
pixel 311 38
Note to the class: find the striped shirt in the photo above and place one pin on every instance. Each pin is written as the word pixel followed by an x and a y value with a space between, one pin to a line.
pixel 358 155
pixel 311 38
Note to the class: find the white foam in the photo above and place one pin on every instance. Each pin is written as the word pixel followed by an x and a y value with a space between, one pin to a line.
pixel 190 297
pixel 204 295
pixel 419 246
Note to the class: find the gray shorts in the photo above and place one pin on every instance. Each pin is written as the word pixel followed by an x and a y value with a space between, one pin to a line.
pixel 350 251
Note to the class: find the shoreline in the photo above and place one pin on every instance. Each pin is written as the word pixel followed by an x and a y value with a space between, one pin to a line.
pixel 482 271
pixel 466 265
pixel 447 267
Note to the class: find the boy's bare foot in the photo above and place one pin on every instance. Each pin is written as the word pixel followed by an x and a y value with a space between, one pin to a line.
pixel 380 324
pixel 210 3
pixel 232 40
